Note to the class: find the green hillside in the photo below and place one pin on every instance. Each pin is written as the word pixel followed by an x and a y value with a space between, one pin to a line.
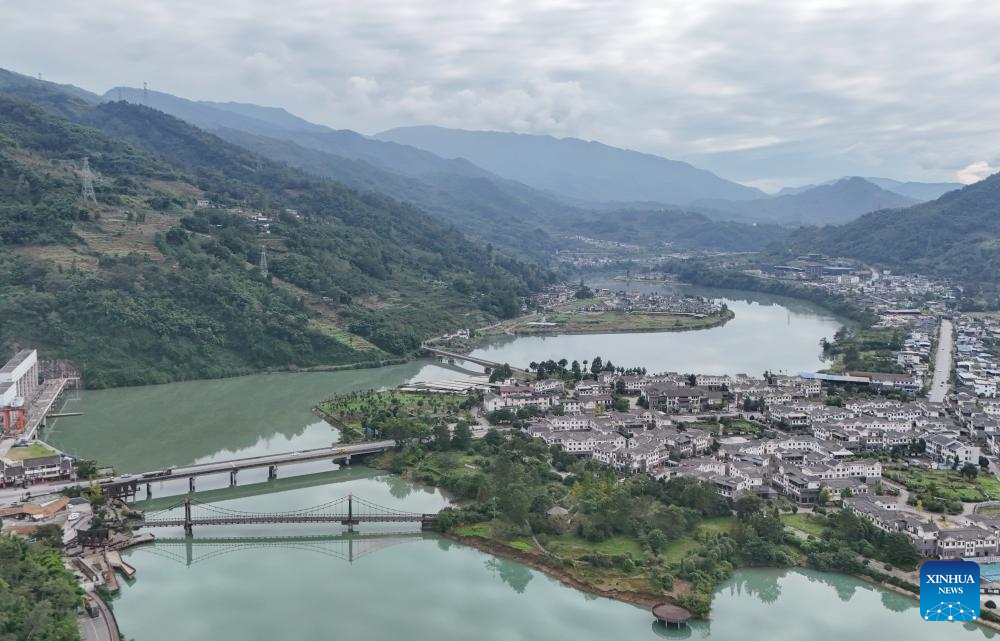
pixel 956 236
pixel 142 287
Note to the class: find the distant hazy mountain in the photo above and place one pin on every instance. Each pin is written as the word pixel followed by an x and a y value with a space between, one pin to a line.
pixel 837 202
pixel 917 191
pixel 957 235
pixel 573 168
pixel 278 123
pixel 921 192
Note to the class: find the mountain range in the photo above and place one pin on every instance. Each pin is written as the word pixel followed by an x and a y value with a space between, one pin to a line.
pixel 578 170
pixel 479 202
pixel 835 202
pixel 534 193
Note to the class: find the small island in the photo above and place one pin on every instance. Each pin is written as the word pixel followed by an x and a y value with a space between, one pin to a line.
pixel 565 310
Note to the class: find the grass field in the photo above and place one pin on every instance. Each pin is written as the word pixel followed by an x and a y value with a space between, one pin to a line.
pixel 34 450
pixel 572 546
pixel 804 522
pixel 597 322
pixel 949 484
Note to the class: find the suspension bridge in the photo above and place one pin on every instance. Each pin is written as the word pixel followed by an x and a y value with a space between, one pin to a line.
pixel 345 547
pixel 348 511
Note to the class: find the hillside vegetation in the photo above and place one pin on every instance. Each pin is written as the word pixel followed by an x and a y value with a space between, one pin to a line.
pixel 142 288
pixel 956 236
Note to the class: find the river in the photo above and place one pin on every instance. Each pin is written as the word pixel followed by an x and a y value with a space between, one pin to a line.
pixel 385 584
pixel 407 585
pixel 768 333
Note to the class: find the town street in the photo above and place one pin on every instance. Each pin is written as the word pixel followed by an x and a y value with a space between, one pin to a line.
pixel 942 363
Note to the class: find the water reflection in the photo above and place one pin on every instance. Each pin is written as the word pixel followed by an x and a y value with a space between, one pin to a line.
pixel 664 631
pixel 399 488
pixel 898 602
pixel 765 587
pixel 515 575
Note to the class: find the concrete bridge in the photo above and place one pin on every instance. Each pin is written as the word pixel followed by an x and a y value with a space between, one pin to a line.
pixel 455 356
pixel 128 484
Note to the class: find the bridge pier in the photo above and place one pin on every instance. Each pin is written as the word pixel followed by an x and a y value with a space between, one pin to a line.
pixel 191 484
pixel 272 472
pixel 232 478
pixel 149 491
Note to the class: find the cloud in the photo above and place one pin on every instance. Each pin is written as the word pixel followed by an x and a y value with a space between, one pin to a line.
pixel 756 90
pixel 976 171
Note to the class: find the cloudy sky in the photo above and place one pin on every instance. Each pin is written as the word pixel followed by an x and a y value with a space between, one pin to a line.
pixel 780 92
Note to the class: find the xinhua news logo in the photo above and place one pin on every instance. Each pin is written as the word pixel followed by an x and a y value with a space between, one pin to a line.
pixel 949 591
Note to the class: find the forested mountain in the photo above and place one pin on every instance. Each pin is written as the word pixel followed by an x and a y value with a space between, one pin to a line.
pixel 836 202
pixel 142 287
pixel 500 211
pixel 957 235
pixel 573 168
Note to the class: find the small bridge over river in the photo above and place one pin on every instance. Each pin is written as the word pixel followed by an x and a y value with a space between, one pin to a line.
pixel 348 511
pixel 346 547
pixel 455 356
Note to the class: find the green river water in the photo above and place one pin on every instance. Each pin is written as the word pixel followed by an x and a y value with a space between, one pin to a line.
pixel 395 583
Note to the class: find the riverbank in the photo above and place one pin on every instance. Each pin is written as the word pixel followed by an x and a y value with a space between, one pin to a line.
pixel 535 562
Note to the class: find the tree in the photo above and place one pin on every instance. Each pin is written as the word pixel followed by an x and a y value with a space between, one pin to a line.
pixel 970 471
pixel 596 365
pixel 748 505
pixel 49 535
pixel 656 539
pixel 900 551
pixel 442 436
pixel 461 438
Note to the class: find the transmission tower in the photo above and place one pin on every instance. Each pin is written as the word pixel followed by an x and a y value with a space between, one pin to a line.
pixel 145 94
pixel 263 260
pixel 88 182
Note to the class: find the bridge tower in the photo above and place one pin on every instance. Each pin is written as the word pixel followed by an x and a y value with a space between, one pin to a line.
pixel 188 528
pixel 350 522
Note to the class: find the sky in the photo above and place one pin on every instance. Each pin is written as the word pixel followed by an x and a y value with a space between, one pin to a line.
pixel 773 93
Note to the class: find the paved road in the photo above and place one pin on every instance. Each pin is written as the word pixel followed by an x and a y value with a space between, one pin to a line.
pixel 942 364
pixel 94 629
